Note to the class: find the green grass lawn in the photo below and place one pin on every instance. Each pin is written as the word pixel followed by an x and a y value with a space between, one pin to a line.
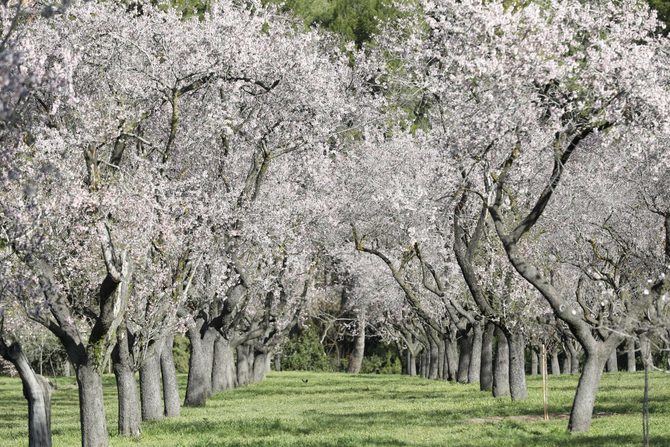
pixel 368 410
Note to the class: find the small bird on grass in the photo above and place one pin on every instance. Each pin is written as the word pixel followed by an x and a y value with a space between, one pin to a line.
pixel 304 380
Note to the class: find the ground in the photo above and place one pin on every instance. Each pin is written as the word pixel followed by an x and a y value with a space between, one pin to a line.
pixel 311 409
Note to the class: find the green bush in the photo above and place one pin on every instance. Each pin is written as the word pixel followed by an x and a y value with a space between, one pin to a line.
pixel 376 364
pixel 304 352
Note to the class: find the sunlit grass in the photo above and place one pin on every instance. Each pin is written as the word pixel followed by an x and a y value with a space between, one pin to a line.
pixel 367 410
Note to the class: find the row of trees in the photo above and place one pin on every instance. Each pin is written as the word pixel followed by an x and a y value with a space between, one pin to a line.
pixel 483 179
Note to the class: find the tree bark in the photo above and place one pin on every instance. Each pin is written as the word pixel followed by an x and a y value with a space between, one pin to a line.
pixel 171 401
pixel 260 366
pixel 574 358
pixel 613 362
pixel 486 367
pixel 474 369
pixel 150 388
pixel 533 362
pixel 566 364
pixel 356 357
pixel 223 366
pixel 126 387
pixel 242 365
pixel 585 397
pixel 91 407
pixel 517 366
pixel 434 368
pixel 464 351
pixel 199 382
pixel 37 392
pixel 630 355
pixel 501 366
pixel 441 370
pixel 555 364
pixel 451 351
pixel 277 361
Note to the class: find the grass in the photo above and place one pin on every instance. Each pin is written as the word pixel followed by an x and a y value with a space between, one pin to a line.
pixel 367 410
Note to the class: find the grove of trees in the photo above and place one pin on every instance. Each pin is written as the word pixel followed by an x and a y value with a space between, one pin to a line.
pixel 469 181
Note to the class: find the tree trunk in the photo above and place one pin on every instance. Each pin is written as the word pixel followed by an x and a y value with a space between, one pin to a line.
pixel 434 368
pixel 555 364
pixel 464 350
pixel 566 364
pixel 486 367
pixel 574 358
pixel 199 382
pixel 223 366
pixel 585 397
pixel 91 407
pixel 37 392
pixel 126 387
pixel 474 369
pixel 612 362
pixel 441 370
pixel 356 357
pixel 150 388
pixel 412 363
pixel 630 355
pixel 171 401
pixel 501 366
pixel 260 364
pixel 452 357
pixel 242 365
pixel 517 366
pixel 533 362
pixel 277 361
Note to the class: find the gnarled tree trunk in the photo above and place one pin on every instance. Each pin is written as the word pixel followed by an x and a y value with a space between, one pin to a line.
pixel 242 365
pixel 199 382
